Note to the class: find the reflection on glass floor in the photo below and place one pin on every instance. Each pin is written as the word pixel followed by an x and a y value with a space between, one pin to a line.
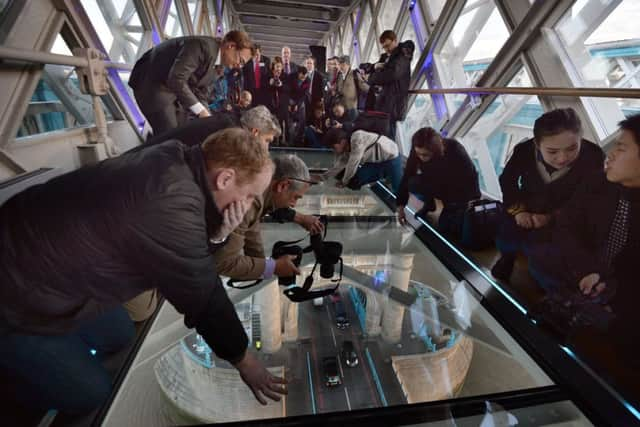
pixel 418 334
pixel 326 199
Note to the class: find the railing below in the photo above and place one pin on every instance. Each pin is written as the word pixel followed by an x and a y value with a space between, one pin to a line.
pixel 542 91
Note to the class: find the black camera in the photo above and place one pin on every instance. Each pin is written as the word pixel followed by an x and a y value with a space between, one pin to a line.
pixel 367 67
pixel 327 254
pixel 281 249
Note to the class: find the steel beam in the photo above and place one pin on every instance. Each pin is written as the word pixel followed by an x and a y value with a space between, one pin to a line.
pixel 299 13
pixel 284 23
pixel 338 4
pixel 266 29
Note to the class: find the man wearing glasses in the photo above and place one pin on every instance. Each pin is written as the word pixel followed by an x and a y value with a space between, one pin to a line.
pixel 243 257
pixel 177 75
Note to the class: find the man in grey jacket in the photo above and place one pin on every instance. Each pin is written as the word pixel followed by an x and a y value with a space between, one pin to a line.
pixel 177 76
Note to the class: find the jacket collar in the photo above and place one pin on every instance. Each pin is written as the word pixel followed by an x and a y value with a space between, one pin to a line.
pixel 195 159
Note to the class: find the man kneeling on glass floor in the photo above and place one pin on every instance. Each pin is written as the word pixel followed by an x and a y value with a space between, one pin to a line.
pixel 79 245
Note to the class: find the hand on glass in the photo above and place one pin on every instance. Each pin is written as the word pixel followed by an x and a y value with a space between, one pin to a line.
pixel 231 217
pixel 524 220
pixel 591 285
pixel 260 380
pixel 402 218
pixel 285 266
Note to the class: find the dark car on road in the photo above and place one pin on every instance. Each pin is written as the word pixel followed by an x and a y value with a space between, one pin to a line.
pixel 342 321
pixel 349 354
pixel 331 372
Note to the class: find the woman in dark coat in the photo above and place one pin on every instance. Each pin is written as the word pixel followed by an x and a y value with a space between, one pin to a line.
pixel 439 168
pixel 539 178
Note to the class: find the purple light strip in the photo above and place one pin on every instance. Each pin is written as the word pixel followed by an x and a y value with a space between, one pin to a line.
pixel 415 19
pixel 118 84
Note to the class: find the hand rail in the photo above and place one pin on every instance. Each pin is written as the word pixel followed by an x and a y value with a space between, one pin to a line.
pixel 40 57
pixel 593 92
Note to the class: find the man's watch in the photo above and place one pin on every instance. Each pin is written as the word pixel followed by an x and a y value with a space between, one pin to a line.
pixel 219 241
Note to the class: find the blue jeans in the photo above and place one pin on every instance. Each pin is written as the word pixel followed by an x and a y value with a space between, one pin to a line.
pixel 59 371
pixel 371 172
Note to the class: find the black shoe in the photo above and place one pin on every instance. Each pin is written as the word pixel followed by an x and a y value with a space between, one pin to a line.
pixel 503 268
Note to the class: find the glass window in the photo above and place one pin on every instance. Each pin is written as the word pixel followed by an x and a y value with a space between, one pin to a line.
pixel 602 50
pixel 434 7
pixel 387 16
pixel 410 34
pixel 507 121
pixel 191 4
pixel 173 28
pixel 375 52
pixel 347 37
pixel 118 26
pixel 421 114
pixel 365 25
pixel 57 102
pixel 477 36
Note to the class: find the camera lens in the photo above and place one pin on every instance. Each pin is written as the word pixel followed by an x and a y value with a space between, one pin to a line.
pixel 326 271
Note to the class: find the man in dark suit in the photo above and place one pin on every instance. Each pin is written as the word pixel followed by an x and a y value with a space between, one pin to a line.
pixel 289 68
pixel 315 93
pixel 177 75
pixel 256 76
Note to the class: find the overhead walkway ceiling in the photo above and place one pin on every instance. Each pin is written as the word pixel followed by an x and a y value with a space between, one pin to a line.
pixel 295 23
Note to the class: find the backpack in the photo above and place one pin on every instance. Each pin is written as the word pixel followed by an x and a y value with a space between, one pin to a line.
pixel 373 121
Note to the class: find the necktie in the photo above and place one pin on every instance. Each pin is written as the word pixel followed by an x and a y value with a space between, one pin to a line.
pixel 257 71
pixel 310 83
pixel 287 69
pixel 619 232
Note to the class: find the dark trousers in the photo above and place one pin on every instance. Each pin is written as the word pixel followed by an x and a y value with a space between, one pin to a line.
pixel 59 371
pixel 451 219
pixel 166 119
pixel 393 125
pixel 512 238
pixel 313 138
pixel 371 172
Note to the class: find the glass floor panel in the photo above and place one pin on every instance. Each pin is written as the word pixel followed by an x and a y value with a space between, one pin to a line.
pixel 417 334
pixel 558 414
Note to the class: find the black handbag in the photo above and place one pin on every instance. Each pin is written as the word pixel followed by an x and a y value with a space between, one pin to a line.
pixel 482 218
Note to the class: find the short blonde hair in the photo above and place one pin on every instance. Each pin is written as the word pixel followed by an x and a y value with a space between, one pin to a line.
pixel 237 149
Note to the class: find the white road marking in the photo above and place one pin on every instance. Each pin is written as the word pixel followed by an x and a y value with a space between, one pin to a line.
pixel 340 365
pixel 333 335
pixel 346 393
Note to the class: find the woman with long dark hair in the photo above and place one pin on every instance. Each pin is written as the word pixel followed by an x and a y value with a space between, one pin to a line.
pixel 439 168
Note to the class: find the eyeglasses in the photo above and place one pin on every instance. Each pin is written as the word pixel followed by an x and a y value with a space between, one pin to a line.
pixel 302 180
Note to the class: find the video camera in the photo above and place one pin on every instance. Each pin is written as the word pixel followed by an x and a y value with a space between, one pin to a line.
pixel 327 254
